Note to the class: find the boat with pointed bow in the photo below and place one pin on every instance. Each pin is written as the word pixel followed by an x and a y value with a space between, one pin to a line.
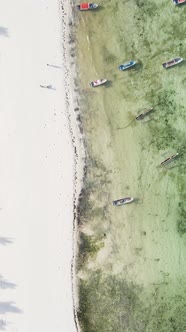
pixel 169 159
pixel 142 115
pixel 171 63
pixel 179 2
pixel 98 82
pixel 86 6
pixel 123 201
pixel 127 65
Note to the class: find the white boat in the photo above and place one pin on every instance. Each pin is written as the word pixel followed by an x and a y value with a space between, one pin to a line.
pixel 122 201
pixel 98 82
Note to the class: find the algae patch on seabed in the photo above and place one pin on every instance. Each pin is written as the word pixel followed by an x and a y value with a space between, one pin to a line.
pixel 108 303
pixel 131 263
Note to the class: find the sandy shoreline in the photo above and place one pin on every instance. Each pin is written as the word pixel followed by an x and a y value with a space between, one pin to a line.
pixel 72 109
pixel 40 172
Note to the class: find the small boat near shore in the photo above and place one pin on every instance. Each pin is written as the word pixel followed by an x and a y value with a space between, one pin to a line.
pixel 98 82
pixel 47 86
pixel 179 2
pixel 127 65
pixel 86 6
pixel 168 160
pixel 172 62
pixel 122 201
pixel 142 115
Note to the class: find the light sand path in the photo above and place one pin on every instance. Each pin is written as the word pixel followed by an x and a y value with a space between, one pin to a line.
pixel 36 172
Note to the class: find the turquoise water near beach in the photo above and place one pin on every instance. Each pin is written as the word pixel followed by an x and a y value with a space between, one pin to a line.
pixel 132 257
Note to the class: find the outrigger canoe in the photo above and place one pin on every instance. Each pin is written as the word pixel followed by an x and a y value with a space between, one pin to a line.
pixel 98 82
pixel 122 201
pixel 87 6
pixel 168 160
pixel 127 65
pixel 179 2
pixel 172 62
pixel 142 115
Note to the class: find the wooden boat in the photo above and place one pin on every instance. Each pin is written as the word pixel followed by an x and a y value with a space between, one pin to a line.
pixel 142 115
pixel 87 6
pixel 127 65
pixel 179 2
pixel 166 161
pixel 46 86
pixel 98 82
pixel 172 62
pixel 122 201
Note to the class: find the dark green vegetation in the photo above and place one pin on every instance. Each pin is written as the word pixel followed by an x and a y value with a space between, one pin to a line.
pixel 96 177
pixel 111 304
pixel 132 261
pixel 87 248
pixel 165 133
pixel 181 222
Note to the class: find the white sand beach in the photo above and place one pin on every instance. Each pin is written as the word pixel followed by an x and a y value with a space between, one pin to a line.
pixel 36 171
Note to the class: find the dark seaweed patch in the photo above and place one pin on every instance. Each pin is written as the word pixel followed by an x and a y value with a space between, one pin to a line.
pixel 87 248
pixel 108 303
pixel 181 222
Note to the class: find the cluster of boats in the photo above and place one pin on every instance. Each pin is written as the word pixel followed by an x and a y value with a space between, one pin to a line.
pixel 125 66
pixel 89 6
pixel 130 64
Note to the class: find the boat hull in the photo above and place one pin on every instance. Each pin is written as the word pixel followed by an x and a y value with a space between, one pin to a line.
pixel 127 65
pixel 172 63
pixel 142 115
pixel 122 201
pixel 96 83
pixel 168 160
pixel 87 6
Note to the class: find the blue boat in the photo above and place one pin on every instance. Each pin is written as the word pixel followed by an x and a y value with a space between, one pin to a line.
pixel 127 65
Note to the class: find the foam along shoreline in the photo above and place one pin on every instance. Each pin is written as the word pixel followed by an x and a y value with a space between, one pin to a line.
pixel 37 173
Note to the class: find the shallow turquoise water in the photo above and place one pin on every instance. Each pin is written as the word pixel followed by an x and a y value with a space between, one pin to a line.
pixel 145 243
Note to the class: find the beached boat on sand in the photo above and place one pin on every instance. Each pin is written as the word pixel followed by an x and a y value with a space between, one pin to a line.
pixel 166 161
pixel 98 82
pixel 142 115
pixel 122 201
pixel 179 2
pixel 172 62
pixel 47 86
pixel 87 6
pixel 127 65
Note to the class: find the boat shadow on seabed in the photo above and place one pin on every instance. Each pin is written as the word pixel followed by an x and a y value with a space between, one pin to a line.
pixel 108 84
